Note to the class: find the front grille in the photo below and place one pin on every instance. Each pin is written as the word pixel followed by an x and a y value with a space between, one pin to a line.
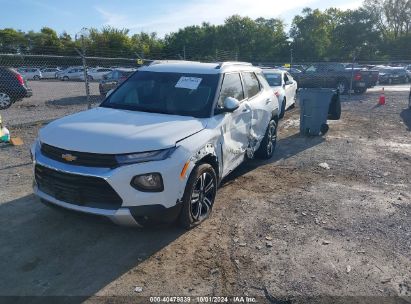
pixel 81 158
pixel 76 189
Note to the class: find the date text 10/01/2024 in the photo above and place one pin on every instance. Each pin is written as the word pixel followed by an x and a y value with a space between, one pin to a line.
pixel 235 299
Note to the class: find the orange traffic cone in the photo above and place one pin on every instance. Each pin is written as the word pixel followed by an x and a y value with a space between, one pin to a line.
pixel 381 102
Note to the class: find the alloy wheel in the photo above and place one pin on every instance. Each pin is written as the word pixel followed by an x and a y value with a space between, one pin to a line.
pixel 341 87
pixel 272 138
pixel 202 196
pixel 5 101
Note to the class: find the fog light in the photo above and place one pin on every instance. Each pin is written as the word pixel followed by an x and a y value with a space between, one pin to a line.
pixel 150 182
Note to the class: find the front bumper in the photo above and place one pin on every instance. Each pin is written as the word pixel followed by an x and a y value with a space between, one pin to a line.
pixel 137 208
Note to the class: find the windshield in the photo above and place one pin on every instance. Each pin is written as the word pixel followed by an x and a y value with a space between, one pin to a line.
pixel 273 79
pixel 168 93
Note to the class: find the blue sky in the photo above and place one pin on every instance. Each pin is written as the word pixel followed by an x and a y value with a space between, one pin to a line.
pixel 159 16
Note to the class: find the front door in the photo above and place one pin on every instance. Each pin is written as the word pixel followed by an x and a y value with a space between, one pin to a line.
pixel 235 126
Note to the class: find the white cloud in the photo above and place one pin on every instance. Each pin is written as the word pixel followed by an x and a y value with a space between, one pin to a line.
pixel 213 11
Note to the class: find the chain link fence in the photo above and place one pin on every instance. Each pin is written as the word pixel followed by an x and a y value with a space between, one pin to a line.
pixel 60 85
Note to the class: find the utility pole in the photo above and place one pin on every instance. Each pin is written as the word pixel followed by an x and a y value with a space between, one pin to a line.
pixel 184 52
pixel 84 33
pixel 291 58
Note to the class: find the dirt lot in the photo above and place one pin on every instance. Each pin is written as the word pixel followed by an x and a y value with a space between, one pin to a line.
pixel 51 99
pixel 283 229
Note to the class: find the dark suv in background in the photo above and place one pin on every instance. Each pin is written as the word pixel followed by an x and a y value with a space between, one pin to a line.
pixel 13 87
pixel 113 79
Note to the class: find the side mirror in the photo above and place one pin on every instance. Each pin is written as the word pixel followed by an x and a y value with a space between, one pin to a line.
pixel 231 104
pixel 289 82
pixel 109 92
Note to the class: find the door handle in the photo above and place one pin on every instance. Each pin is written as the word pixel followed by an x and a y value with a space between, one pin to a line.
pixel 267 101
pixel 246 110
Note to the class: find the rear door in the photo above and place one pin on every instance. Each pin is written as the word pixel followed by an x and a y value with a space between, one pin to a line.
pixel 236 125
pixel 260 102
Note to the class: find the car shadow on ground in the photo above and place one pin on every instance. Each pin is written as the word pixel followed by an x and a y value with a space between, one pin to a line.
pixel 406 117
pixel 49 252
pixel 286 147
pixel 74 100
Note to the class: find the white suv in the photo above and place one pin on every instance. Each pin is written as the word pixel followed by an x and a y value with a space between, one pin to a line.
pixel 158 146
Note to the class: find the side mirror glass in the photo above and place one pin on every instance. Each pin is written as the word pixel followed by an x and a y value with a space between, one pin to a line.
pixel 109 92
pixel 231 104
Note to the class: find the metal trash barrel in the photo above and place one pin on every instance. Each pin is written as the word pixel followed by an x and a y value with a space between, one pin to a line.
pixel 315 108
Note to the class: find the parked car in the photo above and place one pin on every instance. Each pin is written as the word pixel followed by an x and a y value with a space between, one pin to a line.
pixel 71 74
pixel 96 73
pixel 30 73
pixel 332 75
pixel 49 73
pixel 159 145
pixel 113 79
pixel 392 75
pixel 13 87
pixel 284 87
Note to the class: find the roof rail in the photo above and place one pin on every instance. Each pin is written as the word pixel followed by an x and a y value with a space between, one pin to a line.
pixel 222 64
pixel 171 61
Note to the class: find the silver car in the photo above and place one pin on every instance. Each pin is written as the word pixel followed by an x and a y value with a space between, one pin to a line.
pixel 30 73
pixel 71 74
pixel 50 72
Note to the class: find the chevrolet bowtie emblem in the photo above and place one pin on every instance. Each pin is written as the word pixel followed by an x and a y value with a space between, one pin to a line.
pixel 68 157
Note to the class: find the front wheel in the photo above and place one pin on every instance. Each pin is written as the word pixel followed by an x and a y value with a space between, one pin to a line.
pixel 342 86
pixel 36 77
pixel 5 101
pixel 267 146
pixel 199 196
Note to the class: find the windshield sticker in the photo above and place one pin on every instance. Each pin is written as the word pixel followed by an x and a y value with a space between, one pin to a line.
pixel 190 83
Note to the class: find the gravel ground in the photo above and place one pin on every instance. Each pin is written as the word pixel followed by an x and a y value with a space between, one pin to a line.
pixel 51 99
pixel 283 229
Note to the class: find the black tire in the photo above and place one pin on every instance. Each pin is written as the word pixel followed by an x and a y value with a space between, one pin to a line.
pixel 360 90
pixel 324 128
pixel 334 110
pixel 196 210
pixel 267 146
pixel 282 111
pixel 90 78
pixel 65 78
pixel 36 77
pixel 409 102
pixel 5 101
pixel 342 86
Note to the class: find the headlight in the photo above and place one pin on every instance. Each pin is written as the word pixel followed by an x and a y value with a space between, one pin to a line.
pixel 125 159
pixel 150 182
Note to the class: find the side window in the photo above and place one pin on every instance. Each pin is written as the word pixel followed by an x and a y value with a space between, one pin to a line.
pixel 231 87
pixel 285 78
pixel 252 86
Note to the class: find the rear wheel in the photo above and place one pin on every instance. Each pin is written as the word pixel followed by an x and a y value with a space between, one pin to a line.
pixel 360 90
pixel 267 146
pixel 36 77
pixel 65 78
pixel 5 101
pixel 342 86
pixel 199 196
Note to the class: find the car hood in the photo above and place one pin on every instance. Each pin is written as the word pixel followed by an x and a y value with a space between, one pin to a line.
pixel 112 131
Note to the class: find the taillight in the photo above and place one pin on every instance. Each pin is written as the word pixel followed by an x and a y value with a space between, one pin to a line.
pixel 357 76
pixel 277 93
pixel 20 79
